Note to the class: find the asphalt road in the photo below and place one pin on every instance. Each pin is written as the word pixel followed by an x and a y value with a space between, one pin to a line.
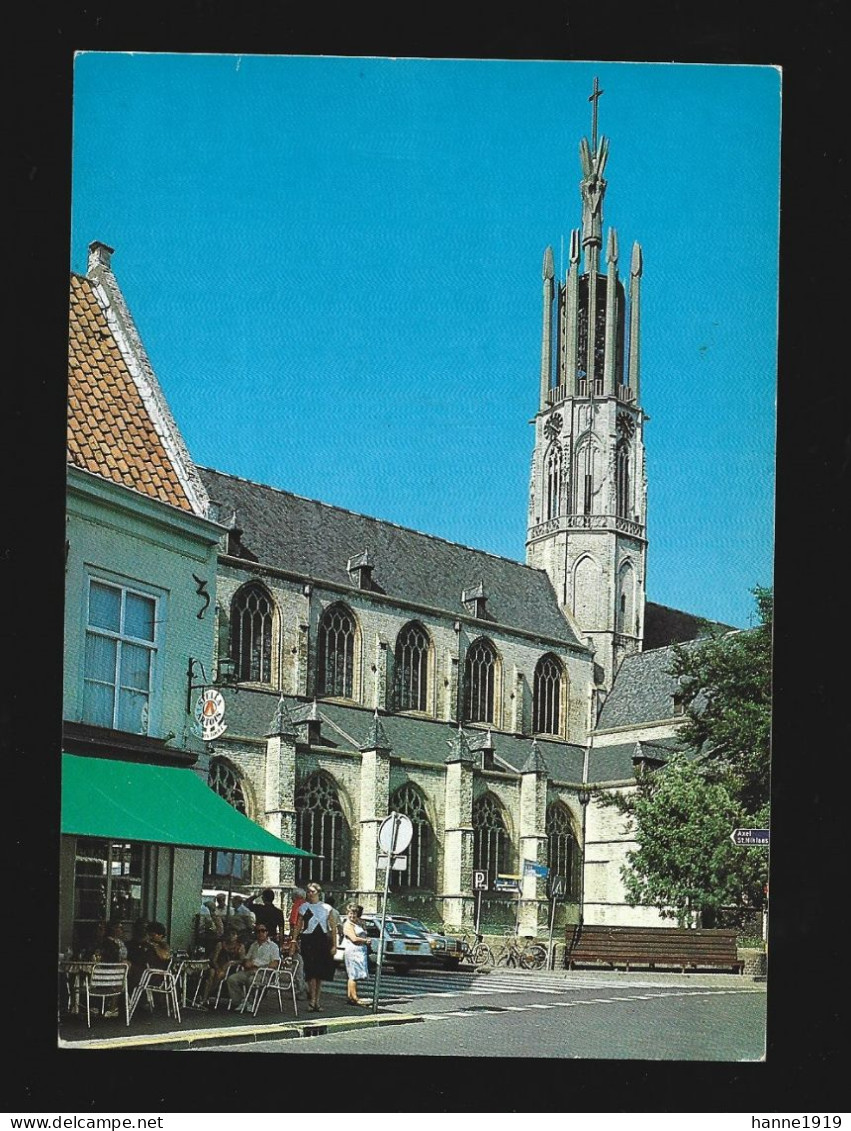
pixel 584 1015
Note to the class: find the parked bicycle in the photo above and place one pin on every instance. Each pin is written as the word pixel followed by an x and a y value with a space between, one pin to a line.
pixel 475 951
pixel 522 952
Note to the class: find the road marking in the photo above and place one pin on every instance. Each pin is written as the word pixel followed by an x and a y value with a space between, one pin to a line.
pixel 577 1002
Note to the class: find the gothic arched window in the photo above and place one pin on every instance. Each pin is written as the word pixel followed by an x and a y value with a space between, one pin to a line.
pixel 491 846
pixel 224 780
pixel 321 828
pixel 479 682
pixel 553 482
pixel 587 476
pixel 407 799
pixel 622 479
pixel 547 695
pixel 251 633
pixel 335 668
pixel 563 855
pixel 412 648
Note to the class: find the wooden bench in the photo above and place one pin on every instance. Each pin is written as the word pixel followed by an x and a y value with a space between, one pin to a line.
pixel 672 947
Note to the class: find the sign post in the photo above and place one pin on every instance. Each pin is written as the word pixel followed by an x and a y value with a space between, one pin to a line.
pixel 394 836
pixel 480 884
pixel 750 838
pixel 556 887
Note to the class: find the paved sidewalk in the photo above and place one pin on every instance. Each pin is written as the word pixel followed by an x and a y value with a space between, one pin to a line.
pixel 197 1026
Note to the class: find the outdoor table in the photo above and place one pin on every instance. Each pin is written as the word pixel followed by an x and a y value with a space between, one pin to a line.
pixel 193 967
pixel 76 972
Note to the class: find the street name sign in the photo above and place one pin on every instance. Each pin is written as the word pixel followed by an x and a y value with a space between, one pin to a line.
pixel 506 885
pixel 748 837
pixel 533 868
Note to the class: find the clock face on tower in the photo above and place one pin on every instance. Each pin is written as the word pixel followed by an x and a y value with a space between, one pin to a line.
pixel 553 426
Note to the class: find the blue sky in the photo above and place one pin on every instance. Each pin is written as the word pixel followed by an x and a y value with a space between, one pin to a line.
pixel 335 267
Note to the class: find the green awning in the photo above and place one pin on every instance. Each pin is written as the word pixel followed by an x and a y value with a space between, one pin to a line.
pixel 115 800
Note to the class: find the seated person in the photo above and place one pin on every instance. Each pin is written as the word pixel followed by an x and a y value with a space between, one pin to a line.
pixel 148 947
pixel 229 949
pixel 263 952
pixel 91 947
pixel 114 949
pixel 157 950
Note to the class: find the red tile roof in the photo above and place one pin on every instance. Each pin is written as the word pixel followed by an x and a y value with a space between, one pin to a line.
pixel 110 432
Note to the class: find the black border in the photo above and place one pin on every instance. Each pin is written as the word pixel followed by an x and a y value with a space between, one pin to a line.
pixel 807 975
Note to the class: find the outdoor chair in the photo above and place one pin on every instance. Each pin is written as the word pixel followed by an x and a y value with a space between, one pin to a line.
pixel 275 978
pixel 156 981
pixel 107 980
pixel 231 968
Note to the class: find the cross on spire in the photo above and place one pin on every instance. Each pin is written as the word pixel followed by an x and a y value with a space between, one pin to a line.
pixel 592 98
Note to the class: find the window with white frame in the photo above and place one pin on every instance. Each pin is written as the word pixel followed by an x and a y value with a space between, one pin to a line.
pixel 119 658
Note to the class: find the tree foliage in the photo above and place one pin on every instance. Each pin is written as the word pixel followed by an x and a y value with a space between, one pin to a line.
pixel 725 683
pixel 682 814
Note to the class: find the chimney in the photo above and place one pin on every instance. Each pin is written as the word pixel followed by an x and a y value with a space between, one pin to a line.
pixel 100 257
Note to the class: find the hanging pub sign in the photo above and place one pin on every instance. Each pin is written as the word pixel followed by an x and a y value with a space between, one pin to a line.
pixel 209 715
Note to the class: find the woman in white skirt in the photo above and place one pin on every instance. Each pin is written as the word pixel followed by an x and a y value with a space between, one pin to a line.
pixel 356 947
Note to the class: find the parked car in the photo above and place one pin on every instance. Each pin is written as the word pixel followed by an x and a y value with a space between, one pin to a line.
pixel 404 946
pixel 448 948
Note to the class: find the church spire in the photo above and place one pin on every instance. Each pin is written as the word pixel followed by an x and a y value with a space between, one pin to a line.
pixel 594 98
pixel 592 187
pixel 587 496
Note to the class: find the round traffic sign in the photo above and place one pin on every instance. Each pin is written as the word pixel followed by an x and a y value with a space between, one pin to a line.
pixel 404 833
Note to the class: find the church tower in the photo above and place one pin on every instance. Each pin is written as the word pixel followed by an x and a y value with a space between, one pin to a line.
pixel 587 517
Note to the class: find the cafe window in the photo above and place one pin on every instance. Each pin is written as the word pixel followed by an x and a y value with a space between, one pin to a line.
pixel 107 884
pixel 119 657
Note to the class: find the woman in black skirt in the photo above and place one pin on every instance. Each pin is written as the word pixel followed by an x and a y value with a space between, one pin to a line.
pixel 316 932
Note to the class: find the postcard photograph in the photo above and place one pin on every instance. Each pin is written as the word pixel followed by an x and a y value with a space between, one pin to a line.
pixel 419 565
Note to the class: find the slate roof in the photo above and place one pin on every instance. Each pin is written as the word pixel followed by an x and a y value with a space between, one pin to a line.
pixel 316 540
pixel 643 691
pixel 249 713
pixel 663 626
pixel 615 763
pixel 110 432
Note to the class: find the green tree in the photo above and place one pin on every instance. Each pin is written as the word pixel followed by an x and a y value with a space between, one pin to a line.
pixel 682 814
pixel 725 684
